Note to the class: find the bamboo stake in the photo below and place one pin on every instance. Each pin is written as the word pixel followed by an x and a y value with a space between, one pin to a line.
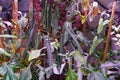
pixel 15 16
pixel 2 45
pixel 15 10
pixel 109 31
pixel 31 10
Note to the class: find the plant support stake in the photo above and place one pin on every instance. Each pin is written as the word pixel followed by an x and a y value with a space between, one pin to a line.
pixel 15 10
pixel 109 31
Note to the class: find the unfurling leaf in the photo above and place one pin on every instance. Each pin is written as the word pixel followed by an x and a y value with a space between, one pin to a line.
pixel 35 54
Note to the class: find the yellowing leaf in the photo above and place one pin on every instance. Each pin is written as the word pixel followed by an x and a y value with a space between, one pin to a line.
pixel 85 3
pixel 83 19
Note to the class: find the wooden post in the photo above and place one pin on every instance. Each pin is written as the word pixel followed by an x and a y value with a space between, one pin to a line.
pixel 109 31
pixel 15 10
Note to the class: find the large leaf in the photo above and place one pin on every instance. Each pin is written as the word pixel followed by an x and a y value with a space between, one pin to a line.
pixel 25 74
pixel 35 54
pixel 71 75
pixel 96 41
pixel 10 75
pixel 2 51
pixel 3 70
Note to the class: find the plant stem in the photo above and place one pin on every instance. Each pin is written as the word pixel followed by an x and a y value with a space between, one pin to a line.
pixel 109 31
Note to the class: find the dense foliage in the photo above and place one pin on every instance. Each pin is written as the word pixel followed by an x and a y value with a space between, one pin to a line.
pixel 54 42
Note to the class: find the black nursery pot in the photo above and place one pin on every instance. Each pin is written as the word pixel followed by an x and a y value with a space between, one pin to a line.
pixel 58 77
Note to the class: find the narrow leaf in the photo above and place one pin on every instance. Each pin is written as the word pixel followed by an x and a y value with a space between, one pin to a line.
pixel 96 41
pixel 100 26
pixel 8 36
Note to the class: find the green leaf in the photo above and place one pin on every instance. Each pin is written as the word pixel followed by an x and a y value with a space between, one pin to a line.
pixel 85 71
pixel 10 75
pixel 78 57
pixel 26 74
pixel 66 37
pixel 35 54
pixel 100 26
pixel 3 70
pixel 55 44
pixel 91 76
pixel 99 76
pixel 96 41
pixel 106 22
pixel 71 75
pixel 8 36
pixel 2 51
